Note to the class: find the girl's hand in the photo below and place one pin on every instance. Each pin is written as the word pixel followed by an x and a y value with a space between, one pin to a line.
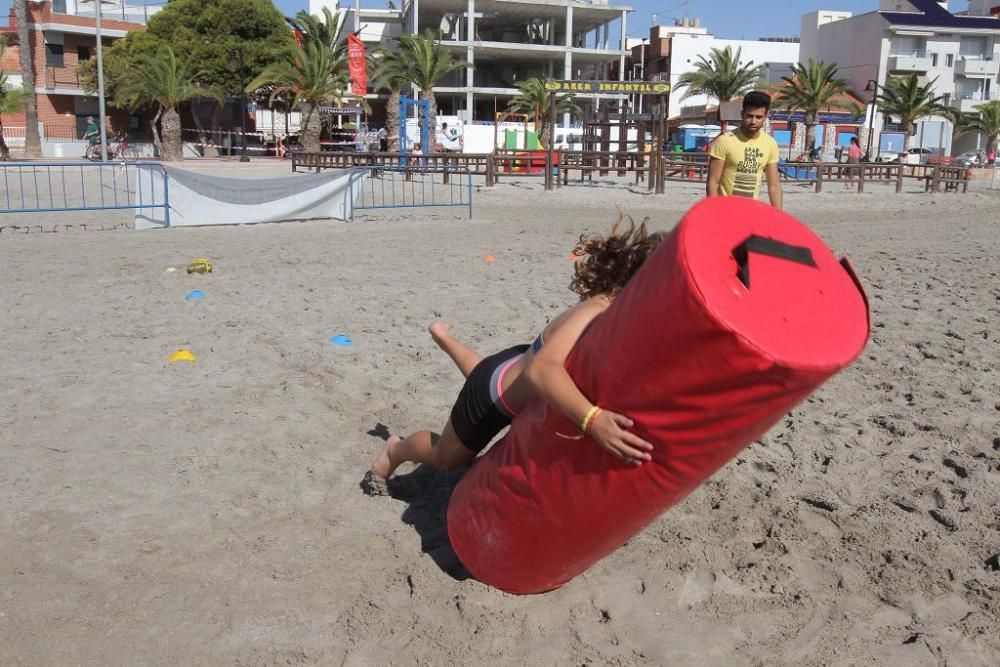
pixel 609 430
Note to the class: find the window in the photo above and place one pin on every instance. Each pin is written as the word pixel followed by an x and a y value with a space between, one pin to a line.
pixel 82 53
pixel 934 60
pixel 947 99
pixel 54 55
pixel 949 60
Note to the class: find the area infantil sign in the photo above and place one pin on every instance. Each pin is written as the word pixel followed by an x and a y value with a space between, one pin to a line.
pixel 610 87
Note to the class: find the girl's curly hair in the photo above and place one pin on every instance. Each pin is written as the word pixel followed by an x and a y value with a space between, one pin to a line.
pixel 611 261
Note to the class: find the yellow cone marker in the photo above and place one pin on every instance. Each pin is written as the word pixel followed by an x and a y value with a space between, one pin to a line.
pixel 182 355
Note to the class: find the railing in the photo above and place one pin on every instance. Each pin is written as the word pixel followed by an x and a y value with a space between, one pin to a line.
pixel 60 77
pixel 14 135
pixel 916 53
pixel 478 164
pixel 390 186
pixel 44 187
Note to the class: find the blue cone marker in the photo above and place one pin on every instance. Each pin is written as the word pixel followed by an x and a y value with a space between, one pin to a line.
pixel 341 340
pixel 194 294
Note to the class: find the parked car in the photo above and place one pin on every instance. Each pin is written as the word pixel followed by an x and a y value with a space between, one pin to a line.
pixel 912 156
pixel 969 159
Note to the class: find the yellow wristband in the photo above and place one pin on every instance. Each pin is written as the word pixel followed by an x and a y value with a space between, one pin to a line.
pixel 589 419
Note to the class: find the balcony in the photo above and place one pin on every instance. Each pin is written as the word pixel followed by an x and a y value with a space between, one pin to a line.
pixel 977 67
pixel 63 79
pixel 913 61
pixel 968 103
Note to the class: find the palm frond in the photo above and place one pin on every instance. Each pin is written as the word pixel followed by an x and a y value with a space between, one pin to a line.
pixel 721 76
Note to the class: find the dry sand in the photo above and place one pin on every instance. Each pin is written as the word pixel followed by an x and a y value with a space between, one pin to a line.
pixel 211 513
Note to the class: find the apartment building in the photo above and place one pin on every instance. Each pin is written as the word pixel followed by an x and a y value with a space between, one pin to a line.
pixel 506 41
pixel 959 53
pixel 62 34
pixel 672 50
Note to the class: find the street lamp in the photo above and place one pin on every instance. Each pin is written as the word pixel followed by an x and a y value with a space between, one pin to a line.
pixel 236 59
pixel 101 112
pixel 871 87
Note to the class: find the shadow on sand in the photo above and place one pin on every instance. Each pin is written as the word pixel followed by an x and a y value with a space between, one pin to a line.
pixel 427 492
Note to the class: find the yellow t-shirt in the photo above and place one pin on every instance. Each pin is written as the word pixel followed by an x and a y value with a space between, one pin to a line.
pixel 745 160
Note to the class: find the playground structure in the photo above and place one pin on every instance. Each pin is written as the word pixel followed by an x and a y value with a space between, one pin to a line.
pixel 521 149
pixel 423 108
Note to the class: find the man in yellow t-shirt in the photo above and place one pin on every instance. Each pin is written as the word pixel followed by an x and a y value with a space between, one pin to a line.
pixel 739 159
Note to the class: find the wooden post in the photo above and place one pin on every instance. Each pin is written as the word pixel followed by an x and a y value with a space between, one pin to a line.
pixel 861 178
pixel 935 180
pixel 550 152
pixel 605 140
pixel 819 177
pixel 661 112
pixel 490 171
pixel 654 150
pixel 899 179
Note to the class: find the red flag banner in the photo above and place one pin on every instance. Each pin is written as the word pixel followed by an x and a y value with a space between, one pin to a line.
pixel 356 65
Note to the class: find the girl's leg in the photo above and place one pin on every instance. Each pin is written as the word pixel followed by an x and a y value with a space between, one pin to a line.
pixel 445 451
pixel 464 356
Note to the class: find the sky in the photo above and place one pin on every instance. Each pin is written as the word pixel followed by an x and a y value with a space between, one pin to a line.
pixel 731 19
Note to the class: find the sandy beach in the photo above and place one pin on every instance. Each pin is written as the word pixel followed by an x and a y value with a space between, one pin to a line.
pixel 210 513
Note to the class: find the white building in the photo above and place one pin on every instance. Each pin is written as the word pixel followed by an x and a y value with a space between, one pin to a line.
pixel 688 45
pixel 960 53
pixel 507 41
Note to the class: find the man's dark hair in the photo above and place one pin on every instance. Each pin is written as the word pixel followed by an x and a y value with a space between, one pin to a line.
pixel 756 100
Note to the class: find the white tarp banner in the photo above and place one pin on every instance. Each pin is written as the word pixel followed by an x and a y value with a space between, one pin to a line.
pixel 199 199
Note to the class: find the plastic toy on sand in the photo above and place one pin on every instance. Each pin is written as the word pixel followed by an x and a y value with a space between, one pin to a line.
pixel 739 315
pixel 341 340
pixel 199 265
pixel 182 355
pixel 194 295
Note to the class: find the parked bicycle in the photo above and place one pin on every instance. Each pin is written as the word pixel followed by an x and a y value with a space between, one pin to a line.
pixel 121 151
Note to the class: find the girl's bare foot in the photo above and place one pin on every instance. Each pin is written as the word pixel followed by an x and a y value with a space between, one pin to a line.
pixel 441 333
pixel 382 465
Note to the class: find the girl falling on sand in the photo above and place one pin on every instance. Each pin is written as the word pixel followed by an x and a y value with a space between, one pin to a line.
pixel 498 387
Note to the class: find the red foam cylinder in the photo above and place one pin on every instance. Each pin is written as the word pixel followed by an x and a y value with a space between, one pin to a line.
pixel 717 336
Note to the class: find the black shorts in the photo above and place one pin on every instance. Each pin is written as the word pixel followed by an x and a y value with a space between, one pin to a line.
pixel 478 415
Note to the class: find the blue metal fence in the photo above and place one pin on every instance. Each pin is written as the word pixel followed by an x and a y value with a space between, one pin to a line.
pixel 410 187
pixel 38 187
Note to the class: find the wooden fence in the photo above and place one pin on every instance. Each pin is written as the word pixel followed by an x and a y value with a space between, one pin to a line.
pixel 654 169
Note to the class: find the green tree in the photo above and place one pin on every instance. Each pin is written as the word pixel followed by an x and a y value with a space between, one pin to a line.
pixel 311 77
pixel 204 35
pixel 721 76
pixel 812 88
pixel 32 140
pixel 163 82
pixel 534 100
pixel 986 121
pixel 905 98
pixel 391 72
pixel 428 64
pixel 12 100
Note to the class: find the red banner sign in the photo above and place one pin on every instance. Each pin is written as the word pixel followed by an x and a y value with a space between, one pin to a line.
pixel 356 65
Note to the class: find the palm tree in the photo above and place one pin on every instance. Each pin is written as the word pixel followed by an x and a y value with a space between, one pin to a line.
pixel 32 142
pixel 987 122
pixel 164 82
pixel 721 76
pixel 903 97
pixel 534 100
pixel 311 77
pixel 428 64
pixel 391 71
pixel 327 30
pixel 812 88
pixel 12 100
